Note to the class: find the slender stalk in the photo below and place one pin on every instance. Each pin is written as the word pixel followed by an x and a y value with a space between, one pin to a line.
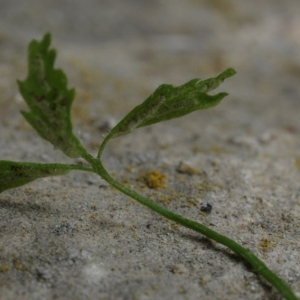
pixel 72 167
pixel 81 168
pixel 102 146
pixel 258 265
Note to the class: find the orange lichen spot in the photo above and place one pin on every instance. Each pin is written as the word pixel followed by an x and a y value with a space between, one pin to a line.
pixel 155 179
pixel 192 202
pixel 125 180
pixel 278 260
pixel 207 186
pixel 4 269
pixel 185 168
pixel 174 226
pixel 265 244
pixel 28 190
pixel 130 169
pixel 181 178
pixel 18 265
pixel 165 199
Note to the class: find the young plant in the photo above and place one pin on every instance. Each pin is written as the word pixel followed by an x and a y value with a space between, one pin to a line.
pixel 49 100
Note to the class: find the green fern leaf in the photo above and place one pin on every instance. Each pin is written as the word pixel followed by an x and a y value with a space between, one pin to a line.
pixel 169 102
pixel 48 98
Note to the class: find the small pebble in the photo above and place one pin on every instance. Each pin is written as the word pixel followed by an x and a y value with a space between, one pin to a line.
pixel 206 208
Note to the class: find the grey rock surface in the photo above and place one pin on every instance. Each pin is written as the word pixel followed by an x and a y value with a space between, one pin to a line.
pixel 75 237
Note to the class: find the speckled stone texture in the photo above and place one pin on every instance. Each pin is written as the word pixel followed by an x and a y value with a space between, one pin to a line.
pixel 75 237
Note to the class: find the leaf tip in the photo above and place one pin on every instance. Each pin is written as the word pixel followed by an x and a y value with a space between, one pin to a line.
pixel 227 73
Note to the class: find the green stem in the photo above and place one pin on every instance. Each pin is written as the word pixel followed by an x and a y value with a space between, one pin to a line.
pixel 102 146
pixel 72 167
pixel 250 257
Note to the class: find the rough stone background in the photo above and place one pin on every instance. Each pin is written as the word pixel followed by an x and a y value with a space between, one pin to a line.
pixel 74 237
